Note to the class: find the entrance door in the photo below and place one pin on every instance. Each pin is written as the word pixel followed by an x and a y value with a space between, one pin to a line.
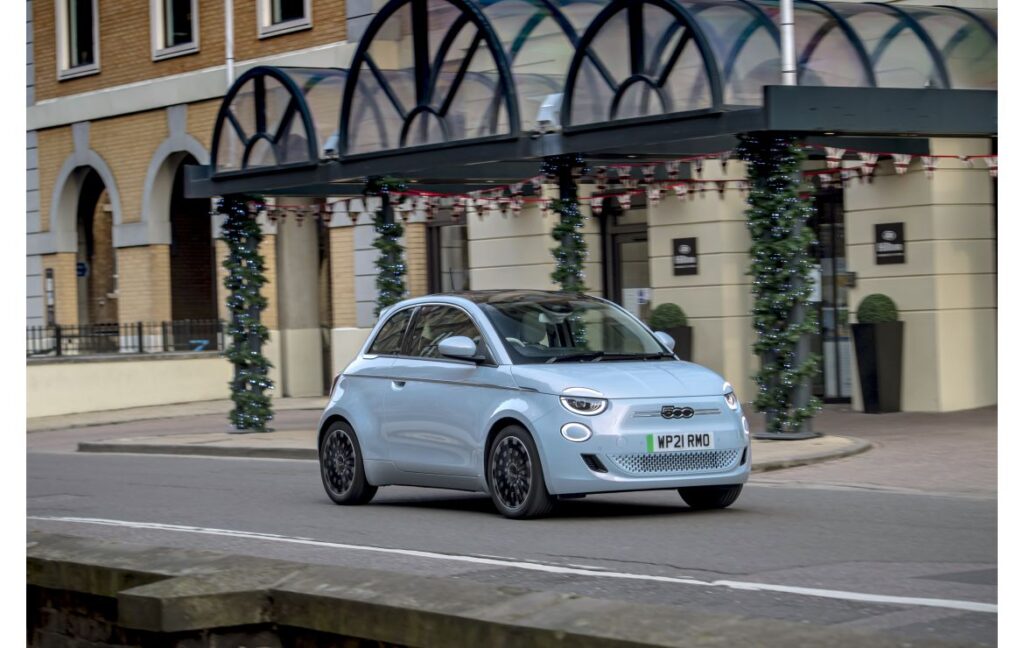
pixel 627 265
pixel 833 383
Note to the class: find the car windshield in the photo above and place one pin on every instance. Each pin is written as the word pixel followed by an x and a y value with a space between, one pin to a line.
pixel 571 329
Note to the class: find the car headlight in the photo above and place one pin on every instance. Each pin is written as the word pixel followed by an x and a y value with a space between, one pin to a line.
pixel 583 401
pixel 730 397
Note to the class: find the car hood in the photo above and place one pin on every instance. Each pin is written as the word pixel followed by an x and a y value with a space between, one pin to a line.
pixel 618 379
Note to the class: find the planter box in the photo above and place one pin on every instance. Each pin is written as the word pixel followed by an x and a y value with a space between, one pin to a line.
pixel 879 349
pixel 683 335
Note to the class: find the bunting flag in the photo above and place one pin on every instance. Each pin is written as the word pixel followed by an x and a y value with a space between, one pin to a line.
pixel 723 159
pixel 834 156
pixel 601 177
pixel 966 160
pixel 720 186
pixel 680 190
pixel 902 162
pixel 626 201
pixel 697 167
pixel 672 169
pixel 596 203
pixel 648 173
pixel 868 163
pixel 930 162
pixel 992 162
pixel 653 196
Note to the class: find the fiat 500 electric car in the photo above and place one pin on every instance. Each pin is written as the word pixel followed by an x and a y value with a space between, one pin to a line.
pixel 529 396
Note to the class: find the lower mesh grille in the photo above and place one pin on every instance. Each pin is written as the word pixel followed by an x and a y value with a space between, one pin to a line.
pixel 676 462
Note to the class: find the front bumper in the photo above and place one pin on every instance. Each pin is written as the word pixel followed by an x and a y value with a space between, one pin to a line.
pixel 616 457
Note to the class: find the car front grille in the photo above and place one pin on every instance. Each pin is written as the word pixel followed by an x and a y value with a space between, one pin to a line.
pixel 676 462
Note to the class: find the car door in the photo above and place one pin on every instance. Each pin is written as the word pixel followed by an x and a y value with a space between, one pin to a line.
pixel 367 382
pixel 437 407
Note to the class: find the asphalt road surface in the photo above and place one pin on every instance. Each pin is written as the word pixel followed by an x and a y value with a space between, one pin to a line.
pixel 909 564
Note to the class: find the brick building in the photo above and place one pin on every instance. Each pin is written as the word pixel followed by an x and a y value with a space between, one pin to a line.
pixel 123 95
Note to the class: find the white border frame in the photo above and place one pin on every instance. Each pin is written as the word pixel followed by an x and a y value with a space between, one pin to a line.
pixel 156 32
pixel 64 69
pixel 265 29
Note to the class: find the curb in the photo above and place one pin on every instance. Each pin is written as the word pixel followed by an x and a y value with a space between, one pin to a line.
pixel 857 446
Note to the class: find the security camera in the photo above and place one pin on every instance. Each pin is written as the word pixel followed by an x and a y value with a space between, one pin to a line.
pixel 549 114
pixel 331 145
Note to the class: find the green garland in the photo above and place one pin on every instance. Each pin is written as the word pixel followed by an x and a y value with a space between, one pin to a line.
pixel 391 267
pixel 781 269
pixel 245 278
pixel 571 251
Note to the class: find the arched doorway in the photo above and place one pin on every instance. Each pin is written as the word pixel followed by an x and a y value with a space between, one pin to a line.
pixel 96 263
pixel 193 289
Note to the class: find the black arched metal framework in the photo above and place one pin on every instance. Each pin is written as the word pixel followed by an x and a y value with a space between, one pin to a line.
pixel 459 88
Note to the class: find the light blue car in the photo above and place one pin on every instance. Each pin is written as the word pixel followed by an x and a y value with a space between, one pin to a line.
pixel 529 396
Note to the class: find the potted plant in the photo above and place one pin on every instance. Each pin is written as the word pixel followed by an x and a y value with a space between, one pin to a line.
pixel 878 340
pixel 672 320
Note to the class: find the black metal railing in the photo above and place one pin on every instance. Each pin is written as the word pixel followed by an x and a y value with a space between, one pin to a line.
pixel 132 337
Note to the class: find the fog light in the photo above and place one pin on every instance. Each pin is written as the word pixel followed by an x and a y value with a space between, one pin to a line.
pixel 576 432
pixel 746 426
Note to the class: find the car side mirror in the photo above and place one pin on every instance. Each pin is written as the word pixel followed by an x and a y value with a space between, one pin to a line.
pixel 666 339
pixel 458 347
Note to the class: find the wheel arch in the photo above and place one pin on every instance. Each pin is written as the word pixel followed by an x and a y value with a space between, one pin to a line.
pixel 333 418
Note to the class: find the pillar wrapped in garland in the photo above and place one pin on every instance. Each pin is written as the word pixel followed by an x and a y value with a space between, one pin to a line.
pixel 781 268
pixel 571 251
pixel 391 267
pixel 246 333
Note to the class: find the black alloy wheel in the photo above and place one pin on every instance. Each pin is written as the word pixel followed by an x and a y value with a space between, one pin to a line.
pixel 515 475
pixel 341 466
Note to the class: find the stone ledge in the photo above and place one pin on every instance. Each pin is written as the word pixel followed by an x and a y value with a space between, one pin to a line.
pixel 166 591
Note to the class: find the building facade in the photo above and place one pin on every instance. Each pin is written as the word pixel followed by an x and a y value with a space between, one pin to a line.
pixel 123 95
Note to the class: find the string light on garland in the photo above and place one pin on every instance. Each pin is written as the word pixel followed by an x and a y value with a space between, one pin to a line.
pixel 246 333
pixel 781 269
pixel 572 249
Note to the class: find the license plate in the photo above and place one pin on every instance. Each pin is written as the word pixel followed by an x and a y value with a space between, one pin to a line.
pixel 677 442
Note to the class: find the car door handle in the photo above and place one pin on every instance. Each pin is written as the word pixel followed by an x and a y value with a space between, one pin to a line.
pixel 397 384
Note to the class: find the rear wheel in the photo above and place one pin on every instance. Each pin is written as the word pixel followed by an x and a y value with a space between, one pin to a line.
pixel 341 466
pixel 515 476
pixel 710 497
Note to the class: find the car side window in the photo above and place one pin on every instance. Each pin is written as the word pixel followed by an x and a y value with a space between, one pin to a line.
pixel 435 323
pixel 389 339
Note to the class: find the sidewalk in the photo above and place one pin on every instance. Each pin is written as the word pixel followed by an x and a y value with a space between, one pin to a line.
pixel 201 429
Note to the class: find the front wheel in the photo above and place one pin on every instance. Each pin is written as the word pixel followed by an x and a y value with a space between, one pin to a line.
pixel 710 497
pixel 341 466
pixel 515 476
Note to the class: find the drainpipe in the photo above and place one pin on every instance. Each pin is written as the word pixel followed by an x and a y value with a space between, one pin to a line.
pixel 229 40
pixel 788 42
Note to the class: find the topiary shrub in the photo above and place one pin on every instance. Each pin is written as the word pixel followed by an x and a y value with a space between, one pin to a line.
pixel 667 316
pixel 877 309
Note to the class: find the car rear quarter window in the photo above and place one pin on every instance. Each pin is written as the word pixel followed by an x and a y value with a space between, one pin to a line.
pixel 389 339
pixel 435 323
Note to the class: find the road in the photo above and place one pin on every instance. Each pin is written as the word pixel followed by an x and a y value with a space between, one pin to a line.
pixel 836 540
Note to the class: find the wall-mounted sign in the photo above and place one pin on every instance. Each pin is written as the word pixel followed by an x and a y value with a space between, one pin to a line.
pixel 82 269
pixel 890 247
pixel 684 256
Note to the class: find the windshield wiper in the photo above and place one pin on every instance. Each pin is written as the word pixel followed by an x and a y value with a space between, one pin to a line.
pixel 586 355
pixel 639 356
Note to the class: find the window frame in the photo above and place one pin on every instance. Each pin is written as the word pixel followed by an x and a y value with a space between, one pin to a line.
pixel 157 29
pixel 401 342
pixel 488 358
pixel 265 28
pixel 62 25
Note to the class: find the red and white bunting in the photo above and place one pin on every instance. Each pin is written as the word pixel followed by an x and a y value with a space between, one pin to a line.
pixel 868 162
pixel 648 173
pixel 672 169
pixel 966 161
pixel 545 205
pixel 834 156
pixel 723 159
pixel 601 177
pixel 626 201
pixel 930 162
pixel 596 202
pixel 697 167
pixel 458 208
pixel 653 196
pixel 680 190
pixel 720 186
pixel 517 189
pixel 992 162
pixel 902 162
pixel 517 205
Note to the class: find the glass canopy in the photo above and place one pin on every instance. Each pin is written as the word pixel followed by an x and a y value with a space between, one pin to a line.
pixel 431 73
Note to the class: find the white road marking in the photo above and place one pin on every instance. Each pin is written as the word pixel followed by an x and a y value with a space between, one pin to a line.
pixel 969 606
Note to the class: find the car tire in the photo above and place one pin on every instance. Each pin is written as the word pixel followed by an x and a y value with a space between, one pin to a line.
pixel 710 497
pixel 341 466
pixel 515 476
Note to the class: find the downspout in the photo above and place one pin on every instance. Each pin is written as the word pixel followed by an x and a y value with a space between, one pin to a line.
pixel 229 40
pixel 786 31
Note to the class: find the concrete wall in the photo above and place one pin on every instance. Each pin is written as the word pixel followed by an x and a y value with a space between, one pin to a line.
pixel 89 385
pixel 945 291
